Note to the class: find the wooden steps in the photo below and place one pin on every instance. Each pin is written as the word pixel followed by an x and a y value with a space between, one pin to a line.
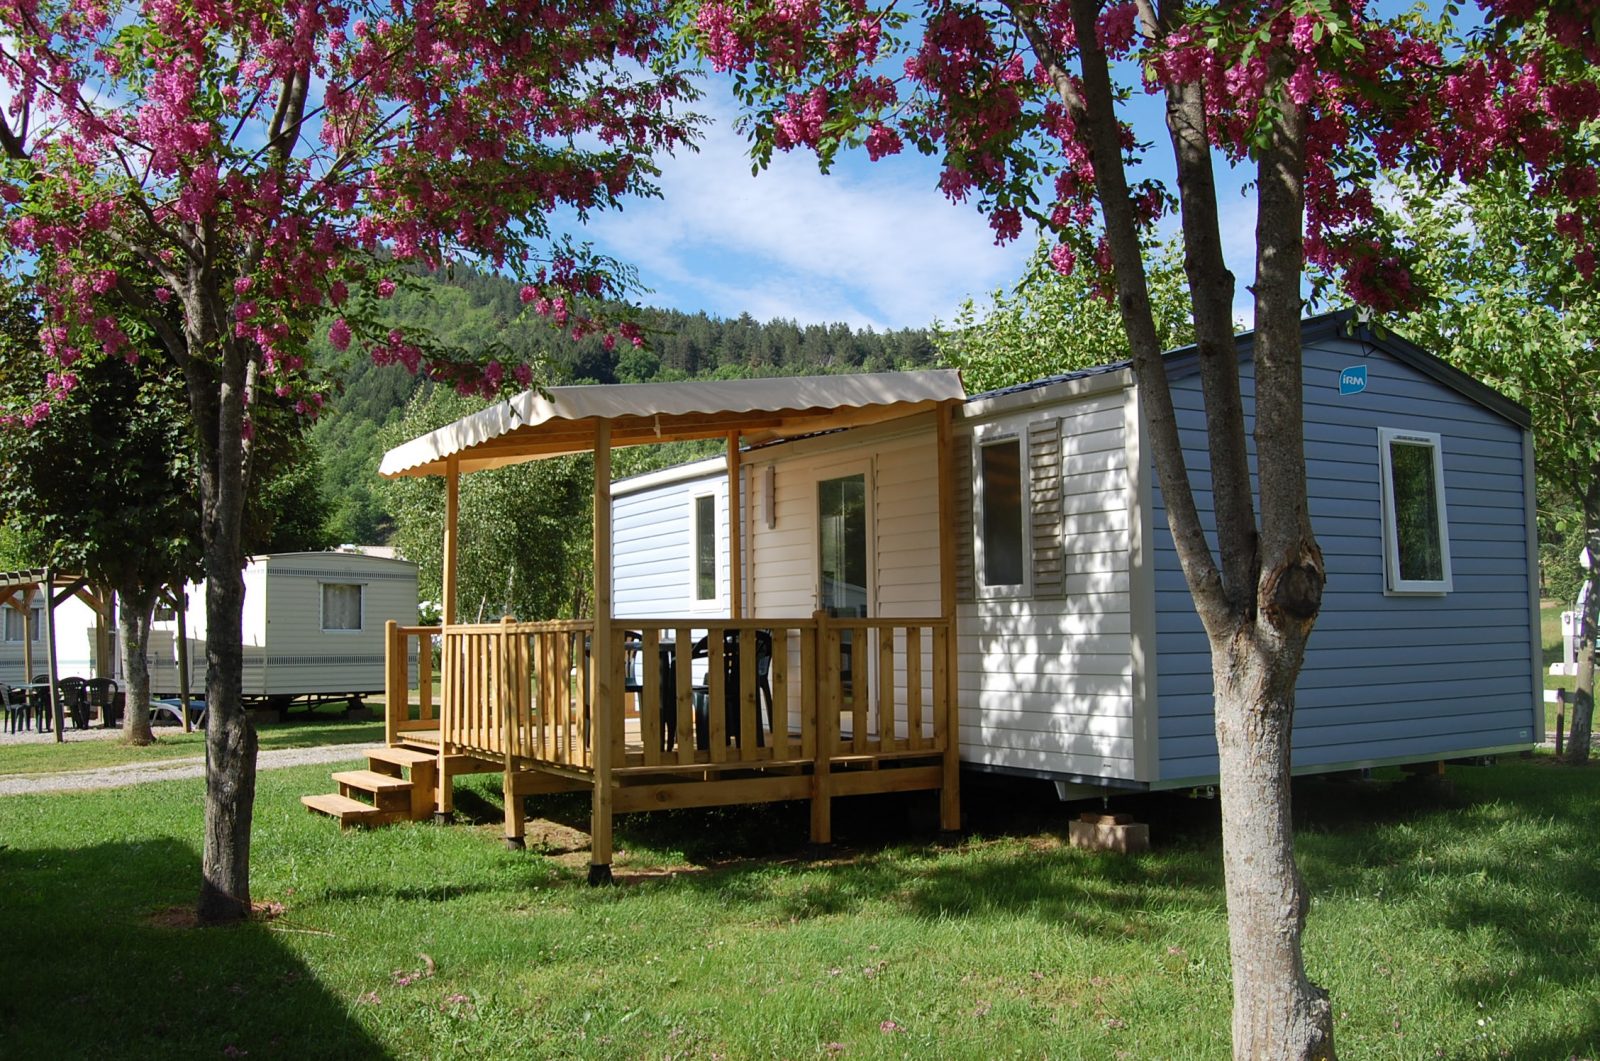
pixel 399 784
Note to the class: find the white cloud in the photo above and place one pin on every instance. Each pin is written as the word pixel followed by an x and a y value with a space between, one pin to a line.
pixel 869 244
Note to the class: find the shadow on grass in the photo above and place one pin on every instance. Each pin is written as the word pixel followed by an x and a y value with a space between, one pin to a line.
pixel 94 971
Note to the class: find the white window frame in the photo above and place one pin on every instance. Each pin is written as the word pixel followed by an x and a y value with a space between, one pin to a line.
pixel 984 436
pixel 1393 584
pixel 322 606
pixel 36 630
pixel 715 601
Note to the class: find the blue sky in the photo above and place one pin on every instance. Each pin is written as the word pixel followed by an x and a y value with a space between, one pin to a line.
pixel 870 244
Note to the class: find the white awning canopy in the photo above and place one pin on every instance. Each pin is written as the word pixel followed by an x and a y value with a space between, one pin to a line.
pixel 563 420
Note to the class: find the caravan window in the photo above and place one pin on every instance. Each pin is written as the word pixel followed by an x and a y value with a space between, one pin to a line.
pixel 341 606
pixel 1416 537
pixel 705 548
pixel 1002 540
pixel 13 630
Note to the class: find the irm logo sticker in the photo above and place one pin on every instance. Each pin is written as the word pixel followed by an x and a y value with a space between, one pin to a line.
pixel 1353 380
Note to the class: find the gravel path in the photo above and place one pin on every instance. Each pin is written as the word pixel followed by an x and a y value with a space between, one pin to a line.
pixel 168 769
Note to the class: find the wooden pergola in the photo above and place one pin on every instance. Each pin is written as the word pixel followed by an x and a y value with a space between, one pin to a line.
pixel 17 589
pixel 598 419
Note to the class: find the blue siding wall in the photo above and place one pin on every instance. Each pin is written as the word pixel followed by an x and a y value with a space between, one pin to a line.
pixel 1385 677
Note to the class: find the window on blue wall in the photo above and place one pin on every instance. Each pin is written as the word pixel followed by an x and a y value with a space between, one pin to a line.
pixel 705 548
pixel 1416 536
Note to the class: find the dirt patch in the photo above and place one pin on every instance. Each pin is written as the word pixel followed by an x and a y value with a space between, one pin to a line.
pixel 553 838
pixel 179 917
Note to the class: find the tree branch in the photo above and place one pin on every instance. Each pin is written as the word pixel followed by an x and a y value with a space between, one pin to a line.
pixel 1094 113
pixel 1211 289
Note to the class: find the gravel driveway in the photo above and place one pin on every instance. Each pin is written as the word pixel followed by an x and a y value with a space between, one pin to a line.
pixel 164 770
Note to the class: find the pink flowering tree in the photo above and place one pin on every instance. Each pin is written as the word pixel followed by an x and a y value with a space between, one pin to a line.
pixel 1036 108
pixel 209 180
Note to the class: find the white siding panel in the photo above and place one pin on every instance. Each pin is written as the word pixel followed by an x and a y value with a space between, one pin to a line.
pixel 1046 685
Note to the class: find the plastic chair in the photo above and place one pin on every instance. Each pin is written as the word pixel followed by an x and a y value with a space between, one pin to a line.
pixel 730 688
pixel 39 698
pixel 74 700
pixel 18 708
pixel 102 696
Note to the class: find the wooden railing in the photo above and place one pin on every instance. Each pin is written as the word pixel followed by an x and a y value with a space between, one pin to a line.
pixel 409 703
pixel 694 695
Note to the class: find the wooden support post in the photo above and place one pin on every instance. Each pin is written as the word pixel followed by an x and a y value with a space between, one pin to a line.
pixel 182 612
pixel 506 701
pixel 395 691
pixel 735 530
pixel 452 511
pixel 50 651
pixel 950 789
pixel 449 696
pixel 600 812
pixel 825 680
pixel 27 634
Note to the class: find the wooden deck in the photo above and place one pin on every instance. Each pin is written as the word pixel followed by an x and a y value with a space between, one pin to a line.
pixel 835 708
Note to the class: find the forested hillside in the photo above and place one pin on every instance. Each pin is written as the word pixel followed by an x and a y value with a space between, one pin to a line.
pixel 478 309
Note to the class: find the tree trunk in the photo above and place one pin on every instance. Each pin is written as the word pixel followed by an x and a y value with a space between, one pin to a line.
pixel 1583 694
pixel 218 400
pixel 133 626
pixel 1277 1011
pixel 230 745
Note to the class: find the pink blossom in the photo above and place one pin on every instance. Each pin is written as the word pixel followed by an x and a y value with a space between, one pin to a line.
pixel 242 285
pixel 339 335
pixel 1062 259
pixel 881 142
pixel 385 288
pixel 528 293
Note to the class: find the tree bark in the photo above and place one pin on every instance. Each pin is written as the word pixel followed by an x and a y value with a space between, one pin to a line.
pixel 216 372
pixel 1277 1011
pixel 133 625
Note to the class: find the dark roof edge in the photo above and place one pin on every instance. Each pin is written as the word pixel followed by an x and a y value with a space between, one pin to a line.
pixel 1341 323
pixel 1403 350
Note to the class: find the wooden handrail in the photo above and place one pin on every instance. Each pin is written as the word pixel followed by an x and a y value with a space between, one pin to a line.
pixel 527 690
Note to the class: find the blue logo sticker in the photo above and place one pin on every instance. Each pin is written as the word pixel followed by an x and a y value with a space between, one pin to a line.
pixel 1353 380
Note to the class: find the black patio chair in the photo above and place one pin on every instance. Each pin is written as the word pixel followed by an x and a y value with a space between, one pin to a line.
pixel 730 688
pixel 18 708
pixel 74 696
pixel 102 696
pixel 39 698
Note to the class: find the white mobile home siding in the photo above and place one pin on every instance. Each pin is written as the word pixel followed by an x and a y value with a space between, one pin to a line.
pixel 1046 680
pixel 76 654
pixel 652 541
pixel 1386 678
pixel 286 650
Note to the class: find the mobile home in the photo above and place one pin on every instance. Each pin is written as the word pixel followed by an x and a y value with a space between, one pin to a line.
pixel 313 627
pixel 1081 658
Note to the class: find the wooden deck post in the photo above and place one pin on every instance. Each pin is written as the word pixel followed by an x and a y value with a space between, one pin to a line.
pixel 950 787
pixel 735 530
pixel 444 804
pixel 825 703
pixel 507 699
pixel 396 693
pixel 600 813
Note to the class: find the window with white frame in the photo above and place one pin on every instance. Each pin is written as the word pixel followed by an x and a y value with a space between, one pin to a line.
pixel 341 605
pixel 1416 536
pixel 705 548
pixel 13 623
pixel 1002 507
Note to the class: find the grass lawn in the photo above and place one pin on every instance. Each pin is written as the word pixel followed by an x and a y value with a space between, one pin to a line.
pixel 173 743
pixel 1461 926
